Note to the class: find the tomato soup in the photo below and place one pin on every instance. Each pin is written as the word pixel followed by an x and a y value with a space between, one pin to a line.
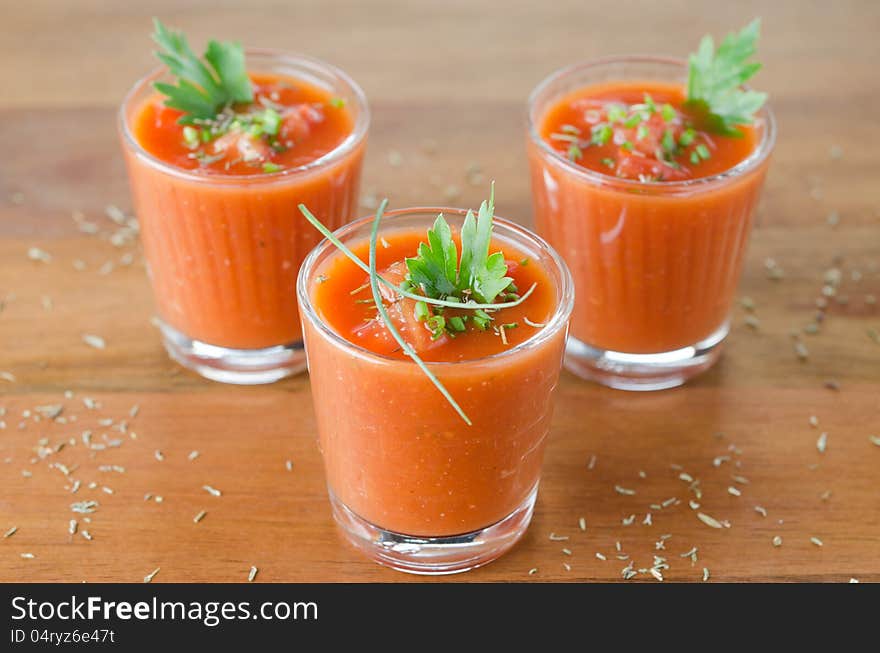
pixel 396 453
pixel 650 209
pixel 216 200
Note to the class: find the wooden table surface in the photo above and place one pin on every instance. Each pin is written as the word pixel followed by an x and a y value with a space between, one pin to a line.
pixel 455 74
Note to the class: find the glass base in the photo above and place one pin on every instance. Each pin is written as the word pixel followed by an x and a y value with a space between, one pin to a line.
pixel 238 366
pixel 434 556
pixel 644 371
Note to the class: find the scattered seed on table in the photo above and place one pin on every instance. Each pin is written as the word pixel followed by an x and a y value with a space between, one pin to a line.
pixel 600 556
pixel 814 421
pixel 86 535
pixel 567 551
pixel 94 341
pixel 37 254
pixel 84 507
pixel 853 580
pixel 212 491
pixel 709 521
pixel 582 523
pixel 72 526
pixel 592 462
pixel 159 455
pixel 288 465
pixel 623 490
pixel 533 571
pixel 28 556
pixel 822 442
pixel 777 541
pixel 149 577
pixel 705 574
pixel 10 532
pixel 734 491
pixel 252 574
pixel 133 412
pixel 875 440
pixel 558 538
pixel 826 495
pixel 192 455
pixel 199 517
pixel 816 541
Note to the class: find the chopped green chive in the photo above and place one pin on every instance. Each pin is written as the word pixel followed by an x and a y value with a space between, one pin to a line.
pixel 421 311
pixel 437 326
pixel 456 323
pixel 575 153
pixel 608 162
pixel 668 112
pixel 337 102
pixel 687 137
pixel 668 141
pixel 627 145
pixel 642 132
pixel 272 167
pixel 703 151
pixel 616 113
pixel 270 122
pixel 602 133
pixel 632 121
pixel 695 158
pixel 191 137
pixel 649 103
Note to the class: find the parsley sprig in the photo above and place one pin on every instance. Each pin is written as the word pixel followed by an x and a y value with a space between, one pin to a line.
pixel 715 79
pixel 203 88
pixel 454 283
pixel 438 271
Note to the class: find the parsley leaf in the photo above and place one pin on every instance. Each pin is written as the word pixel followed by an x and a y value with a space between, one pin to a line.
pixel 481 273
pixel 715 79
pixel 201 90
pixel 435 269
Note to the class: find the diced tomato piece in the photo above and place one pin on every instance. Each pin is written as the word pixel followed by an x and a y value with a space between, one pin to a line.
pixel 297 122
pixel 633 166
pixel 237 144
pixel 402 313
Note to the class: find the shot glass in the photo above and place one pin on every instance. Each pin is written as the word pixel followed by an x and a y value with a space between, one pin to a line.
pixel 223 251
pixel 655 265
pixel 411 484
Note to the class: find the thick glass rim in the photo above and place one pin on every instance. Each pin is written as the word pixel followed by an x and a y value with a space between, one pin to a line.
pixel 356 136
pixel 750 163
pixel 503 228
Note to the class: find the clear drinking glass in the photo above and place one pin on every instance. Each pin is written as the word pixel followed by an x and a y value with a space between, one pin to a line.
pixel 223 252
pixel 410 484
pixel 656 264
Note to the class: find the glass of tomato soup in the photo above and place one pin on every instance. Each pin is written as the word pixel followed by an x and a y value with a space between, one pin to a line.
pixel 216 201
pixel 651 212
pixel 412 484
